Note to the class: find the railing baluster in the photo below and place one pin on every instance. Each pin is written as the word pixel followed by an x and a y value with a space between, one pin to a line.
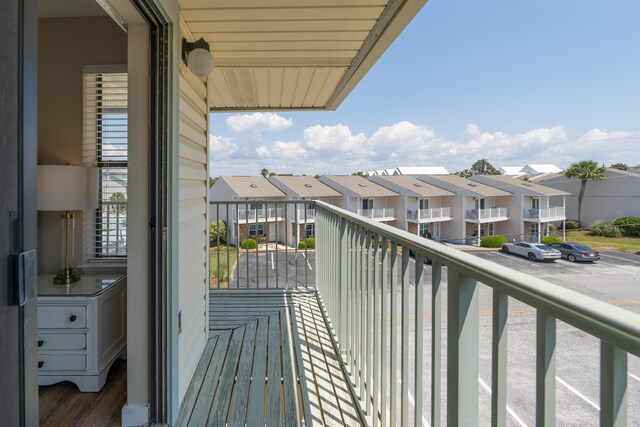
pixel 462 349
pixel 369 322
pixel 393 369
pixel 385 333
pixel 376 339
pixel 613 386
pixel 266 254
pixel 404 397
pixel 499 360
pixel 228 239
pixel 545 369
pixel 419 337
pixel 363 311
pixel 436 342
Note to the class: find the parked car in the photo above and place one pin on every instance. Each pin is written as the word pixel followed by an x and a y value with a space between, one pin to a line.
pixel 576 251
pixel 533 251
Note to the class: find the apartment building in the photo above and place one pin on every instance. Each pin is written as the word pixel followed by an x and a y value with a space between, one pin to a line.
pixel 423 207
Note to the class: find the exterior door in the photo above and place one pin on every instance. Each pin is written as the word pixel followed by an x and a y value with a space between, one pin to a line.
pixel 18 352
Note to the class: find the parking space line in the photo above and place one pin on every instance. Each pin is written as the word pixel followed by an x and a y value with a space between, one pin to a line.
pixel 577 393
pixel 635 377
pixel 510 411
pixel 617 257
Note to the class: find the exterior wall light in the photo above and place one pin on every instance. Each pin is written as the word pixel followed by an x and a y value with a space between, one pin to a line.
pixel 197 56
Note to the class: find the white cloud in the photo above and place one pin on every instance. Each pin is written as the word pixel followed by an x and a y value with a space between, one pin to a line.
pixel 221 147
pixel 281 150
pixel 337 138
pixel 258 122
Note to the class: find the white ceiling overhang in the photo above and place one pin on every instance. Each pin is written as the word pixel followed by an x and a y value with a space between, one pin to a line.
pixel 292 54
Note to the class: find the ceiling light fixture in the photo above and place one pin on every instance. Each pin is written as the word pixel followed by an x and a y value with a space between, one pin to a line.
pixel 197 56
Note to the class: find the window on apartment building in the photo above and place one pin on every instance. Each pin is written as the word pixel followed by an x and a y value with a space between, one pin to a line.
pixel 256 230
pixel 424 203
pixel 310 230
pixel 367 203
pixel 255 206
pixel 479 204
pixel 424 230
pixel 105 145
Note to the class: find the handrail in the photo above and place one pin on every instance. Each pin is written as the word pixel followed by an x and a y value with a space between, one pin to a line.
pixel 596 317
pixel 359 266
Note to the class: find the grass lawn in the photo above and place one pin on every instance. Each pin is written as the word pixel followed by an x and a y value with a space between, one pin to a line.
pixel 625 244
pixel 225 269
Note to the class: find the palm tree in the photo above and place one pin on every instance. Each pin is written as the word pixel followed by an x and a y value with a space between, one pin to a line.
pixel 584 170
pixel 264 172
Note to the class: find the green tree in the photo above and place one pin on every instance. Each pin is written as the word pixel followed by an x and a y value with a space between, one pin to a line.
pixel 483 167
pixel 584 170
pixel 621 166
pixel 212 181
pixel 217 231
pixel 465 173
pixel 264 172
pixel 119 197
pixel 360 173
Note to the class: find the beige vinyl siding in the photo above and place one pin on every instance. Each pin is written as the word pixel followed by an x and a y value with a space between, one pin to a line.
pixel 193 244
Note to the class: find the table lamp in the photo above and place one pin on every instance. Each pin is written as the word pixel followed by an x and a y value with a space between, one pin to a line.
pixel 67 189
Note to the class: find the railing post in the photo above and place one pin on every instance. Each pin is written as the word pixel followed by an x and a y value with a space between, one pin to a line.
pixel 499 360
pixel 344 268
pixel 613 386
pixel 436 342
pixel 545 370
pixel 462 350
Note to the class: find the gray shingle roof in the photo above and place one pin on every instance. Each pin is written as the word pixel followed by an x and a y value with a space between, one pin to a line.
pixel 461 185
pixel 409 185
pixel 255 187
pixel 303 186
pixel 357 186
pixel 509 183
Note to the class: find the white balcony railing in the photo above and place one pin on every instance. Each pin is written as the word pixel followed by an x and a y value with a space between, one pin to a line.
pixel 556 212
pixel 265 214
pixel 304 214
pixel 429 214
pixel 378 213
pixel 488 214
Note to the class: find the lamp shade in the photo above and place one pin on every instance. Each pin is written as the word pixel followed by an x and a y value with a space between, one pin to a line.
pixel 200 62
pixel 67 188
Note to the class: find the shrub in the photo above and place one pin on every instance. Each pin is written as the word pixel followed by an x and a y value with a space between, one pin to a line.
pixel 604 228
pixel 552 228
pixel 493 241
pixel 248 244
pixel 550 239
pixel 571 225
pixel 628 225
pixel 217 230
pixel 308 243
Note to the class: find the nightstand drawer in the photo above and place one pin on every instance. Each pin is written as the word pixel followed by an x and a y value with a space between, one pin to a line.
pixel 62 341
pixel 62 317
pixel 62 362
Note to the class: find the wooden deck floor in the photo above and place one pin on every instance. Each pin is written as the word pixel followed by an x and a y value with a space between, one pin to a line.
pixel 269 361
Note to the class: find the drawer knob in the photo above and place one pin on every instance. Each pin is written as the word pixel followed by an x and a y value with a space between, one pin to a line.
pixel 40 364
pixel 73 318
pixel 40 343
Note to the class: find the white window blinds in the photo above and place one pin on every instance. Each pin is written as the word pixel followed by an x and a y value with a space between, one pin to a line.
pixel 106 146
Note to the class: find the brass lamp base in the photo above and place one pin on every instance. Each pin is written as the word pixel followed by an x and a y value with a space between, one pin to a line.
pixel 66 276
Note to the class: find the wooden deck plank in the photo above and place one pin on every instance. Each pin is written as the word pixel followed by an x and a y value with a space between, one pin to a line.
pixel 289 374
pixel 238 410
pixel 255 415
pixel 273 363
pixel 274 373
pixel 341 389
pixel 202 406
pixel 189 400
pixel 222 398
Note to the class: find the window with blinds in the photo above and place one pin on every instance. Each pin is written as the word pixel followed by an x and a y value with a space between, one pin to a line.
pixel 105 146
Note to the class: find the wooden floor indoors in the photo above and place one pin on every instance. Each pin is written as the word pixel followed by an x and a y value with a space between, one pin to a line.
pixel 63 404
pixel 269 361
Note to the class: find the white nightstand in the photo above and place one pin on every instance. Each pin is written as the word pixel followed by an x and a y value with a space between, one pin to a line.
pixel 81 329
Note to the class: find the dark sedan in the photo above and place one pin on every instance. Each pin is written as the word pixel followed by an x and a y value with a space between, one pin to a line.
pixel 576 251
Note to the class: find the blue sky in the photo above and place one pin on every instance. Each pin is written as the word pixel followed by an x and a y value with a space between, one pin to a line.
pixel 513 81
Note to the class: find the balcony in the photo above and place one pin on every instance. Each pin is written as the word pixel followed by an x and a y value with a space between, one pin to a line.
pixel 429 215
pixel 354 332
pixel 487 215
pixel 304 215
pixel 258 215
pixel 379 214
pixel 545 214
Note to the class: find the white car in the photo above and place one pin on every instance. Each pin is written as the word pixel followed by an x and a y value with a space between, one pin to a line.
pixel 533 251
